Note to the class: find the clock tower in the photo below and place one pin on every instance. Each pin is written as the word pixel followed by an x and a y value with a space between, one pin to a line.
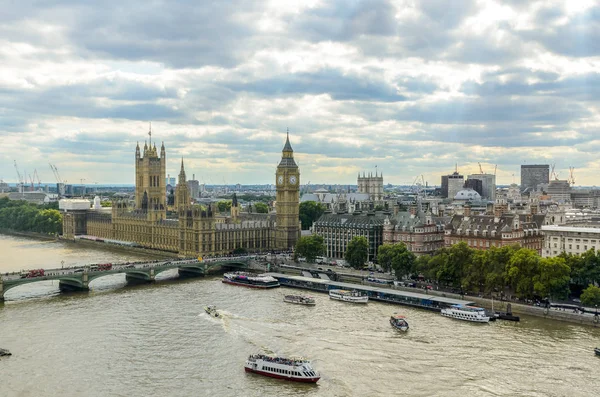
pixel 287 180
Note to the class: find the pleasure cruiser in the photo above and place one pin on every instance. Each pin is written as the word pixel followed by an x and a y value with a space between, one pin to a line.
pixel 467 313
pixel 300 300
pixel 348 296
pixel 294 369
pixel 250 280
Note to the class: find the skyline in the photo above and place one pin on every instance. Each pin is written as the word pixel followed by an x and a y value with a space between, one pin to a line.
pixel 410 87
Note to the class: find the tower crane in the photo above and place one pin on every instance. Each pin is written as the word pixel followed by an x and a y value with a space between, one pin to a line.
pixel 480 169
pixel 37 177
pixel 20 178
pixel 571 176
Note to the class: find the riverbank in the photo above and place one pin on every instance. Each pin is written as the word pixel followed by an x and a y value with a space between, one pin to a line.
pixel 121 248
pixel 517 308
pixel 41 236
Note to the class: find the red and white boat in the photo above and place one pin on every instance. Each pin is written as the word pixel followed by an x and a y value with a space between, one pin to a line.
pixel 293 369
pixel 250 280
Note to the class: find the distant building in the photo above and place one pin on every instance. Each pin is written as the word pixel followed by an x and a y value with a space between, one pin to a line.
pixel 488 185
pixel 422 233
pixel 170 181
pixel 496 230
pixel 30 197
pixel 568 239
pixel 559 190
pixel 475 184
pixel 451 184
pixel 534 175
pixel 194 187
pixel 371 185
pixel 339 229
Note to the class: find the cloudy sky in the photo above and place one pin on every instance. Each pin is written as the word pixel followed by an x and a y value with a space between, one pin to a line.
pixel 412 87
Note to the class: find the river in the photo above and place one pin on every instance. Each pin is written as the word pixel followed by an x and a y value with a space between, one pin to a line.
pixel 156 340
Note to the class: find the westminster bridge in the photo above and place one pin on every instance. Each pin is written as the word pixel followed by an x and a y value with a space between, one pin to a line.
pixel 78 278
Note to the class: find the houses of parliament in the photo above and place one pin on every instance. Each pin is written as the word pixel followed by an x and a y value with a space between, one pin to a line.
pixel 187 229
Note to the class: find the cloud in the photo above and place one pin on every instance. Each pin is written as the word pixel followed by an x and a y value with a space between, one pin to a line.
pixel 413 87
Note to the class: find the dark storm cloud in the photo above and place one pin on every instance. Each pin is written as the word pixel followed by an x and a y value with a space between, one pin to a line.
pixel 328 81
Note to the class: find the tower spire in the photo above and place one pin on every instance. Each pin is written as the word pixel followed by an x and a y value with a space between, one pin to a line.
pixel 150 134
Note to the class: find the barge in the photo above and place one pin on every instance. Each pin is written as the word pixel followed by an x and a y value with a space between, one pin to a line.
pixel 414 299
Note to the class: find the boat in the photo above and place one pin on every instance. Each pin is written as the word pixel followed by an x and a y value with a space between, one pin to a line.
pixel 508 316
pixel 4 352
pixel 300 300
pixel 399 322
pixel 596 350
pixel 211 310
pixel 466 313
pixel 292 369
pixel 250 280
pixel 348 296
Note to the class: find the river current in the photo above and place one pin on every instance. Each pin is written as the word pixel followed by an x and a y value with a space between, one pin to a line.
pixel 156 340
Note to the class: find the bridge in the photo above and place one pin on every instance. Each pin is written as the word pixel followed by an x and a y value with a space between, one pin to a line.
pixel 78 278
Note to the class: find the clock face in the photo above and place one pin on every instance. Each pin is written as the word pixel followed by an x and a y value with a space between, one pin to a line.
pixel 280 179
pixel 293 180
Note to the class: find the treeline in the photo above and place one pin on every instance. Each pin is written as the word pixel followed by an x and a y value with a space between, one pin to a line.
pixel 510 269
pixel 23 216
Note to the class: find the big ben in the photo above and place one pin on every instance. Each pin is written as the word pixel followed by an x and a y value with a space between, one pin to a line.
pixel 287 180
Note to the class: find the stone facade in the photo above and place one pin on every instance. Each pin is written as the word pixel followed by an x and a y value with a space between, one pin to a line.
pixel 422 233
pixel 568 239
pixel 496 230
pixel 371 185
pixel 339 229
pixel 192 230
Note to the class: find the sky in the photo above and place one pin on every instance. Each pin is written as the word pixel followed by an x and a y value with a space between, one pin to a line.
pixel 404 87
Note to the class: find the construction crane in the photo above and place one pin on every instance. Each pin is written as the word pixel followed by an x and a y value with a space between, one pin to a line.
pixel 480 169
pixel 571 176
pixel 36 177
pixel 553 175
pixel 20 178
pixel 495 168
pixel 32 188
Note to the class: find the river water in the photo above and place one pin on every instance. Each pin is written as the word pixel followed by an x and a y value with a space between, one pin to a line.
pixel 156 340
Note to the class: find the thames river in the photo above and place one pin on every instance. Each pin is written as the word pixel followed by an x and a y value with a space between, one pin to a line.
pixel 156 340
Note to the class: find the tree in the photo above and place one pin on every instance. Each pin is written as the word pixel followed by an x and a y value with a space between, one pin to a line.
pixel 261 208
pixel 379 207
pixel 310 247
pixel 591 296
pixel 454 265
pixel 553 279
pixel 224 205
pixel 521 270
pixel 398 258
pixel 240 251
pixel 357 252
pixel 310 211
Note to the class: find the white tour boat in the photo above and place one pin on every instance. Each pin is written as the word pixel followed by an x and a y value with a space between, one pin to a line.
pixel 294 369
pixel 348 296
pixel 211 310
pixel 250 280
pixel 399 322
pixel 467 313
pixel 300 300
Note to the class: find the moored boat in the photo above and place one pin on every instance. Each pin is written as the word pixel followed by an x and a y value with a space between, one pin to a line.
pixel 250 280
pixel 300 300
pixel 348 296
pixel 399 322
pixel 4 352
pixel 293 369
pixel 597 351
pixel 466 313
pixel 211 310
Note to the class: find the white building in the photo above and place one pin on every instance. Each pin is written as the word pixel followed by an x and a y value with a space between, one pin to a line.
pixel 572 240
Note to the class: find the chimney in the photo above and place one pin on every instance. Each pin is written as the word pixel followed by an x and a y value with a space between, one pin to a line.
pixel 396 209
pixel 467 210
pixel 413 211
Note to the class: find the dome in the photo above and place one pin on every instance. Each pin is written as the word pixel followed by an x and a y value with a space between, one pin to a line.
pixel 467 194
